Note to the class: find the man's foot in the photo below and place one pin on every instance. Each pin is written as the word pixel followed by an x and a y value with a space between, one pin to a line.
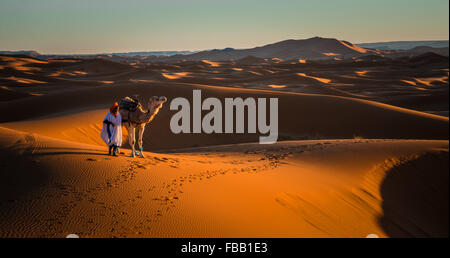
pixel 115 151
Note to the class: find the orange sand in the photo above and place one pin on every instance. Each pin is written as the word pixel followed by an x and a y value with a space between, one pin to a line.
pixel 57 179
pixel 211 63
pixel 323 80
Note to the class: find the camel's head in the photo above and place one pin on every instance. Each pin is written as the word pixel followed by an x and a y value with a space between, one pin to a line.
pixel 156 101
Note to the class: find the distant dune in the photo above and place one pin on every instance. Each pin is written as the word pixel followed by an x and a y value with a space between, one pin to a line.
pixel 405 45
pixel 314 48
pixel 310 49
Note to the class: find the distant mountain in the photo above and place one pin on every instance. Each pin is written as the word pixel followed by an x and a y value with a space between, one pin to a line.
pixel 153 53
pixel 21 52
pixel 130 54
pixel 404 45
pixel 316 48
pixel 313 49
pixel 443 51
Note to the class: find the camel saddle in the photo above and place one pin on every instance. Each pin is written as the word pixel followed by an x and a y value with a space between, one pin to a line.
pixel 129 103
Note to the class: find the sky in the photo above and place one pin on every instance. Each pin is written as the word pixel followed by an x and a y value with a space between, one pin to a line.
pixel 104 26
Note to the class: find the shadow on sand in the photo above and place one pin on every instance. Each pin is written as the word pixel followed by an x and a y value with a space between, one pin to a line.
pixel 53 153
pixel 416 198
pixel 19 176
pixel 22 172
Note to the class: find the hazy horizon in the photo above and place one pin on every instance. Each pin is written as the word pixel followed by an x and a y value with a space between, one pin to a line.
pixel 86 27
pixel 197 50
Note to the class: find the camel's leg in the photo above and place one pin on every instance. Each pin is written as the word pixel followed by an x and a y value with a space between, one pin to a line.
pixel 140 140
pixel 131 132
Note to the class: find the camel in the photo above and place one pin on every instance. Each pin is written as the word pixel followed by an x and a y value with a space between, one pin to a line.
pixel 139 119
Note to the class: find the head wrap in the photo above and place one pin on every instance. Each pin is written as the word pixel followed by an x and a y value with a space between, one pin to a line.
pixel 114 107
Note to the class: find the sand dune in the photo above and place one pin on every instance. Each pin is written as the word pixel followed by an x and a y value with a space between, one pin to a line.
pixel 313 49
pixel 330 54
pixel 57 180
pixel 25 80
pixel 323 80
pixel 331 120
pixel 346 115
pixel 275 86
pixel 431 81
pixel 21 64
pixel 354 47
pixel 383 83
pixel 295 192
pixel 211 63
pixel 173 76
pixel 362 73
pixel 7 94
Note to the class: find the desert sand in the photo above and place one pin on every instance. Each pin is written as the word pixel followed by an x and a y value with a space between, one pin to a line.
pixel 345 165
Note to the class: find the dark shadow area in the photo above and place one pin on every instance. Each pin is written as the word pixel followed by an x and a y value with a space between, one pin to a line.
pixel 19 176
pixel 416 198
pixel 53 153
pixel 22 174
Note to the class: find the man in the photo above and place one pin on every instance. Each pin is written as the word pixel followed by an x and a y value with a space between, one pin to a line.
pixel 112 130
